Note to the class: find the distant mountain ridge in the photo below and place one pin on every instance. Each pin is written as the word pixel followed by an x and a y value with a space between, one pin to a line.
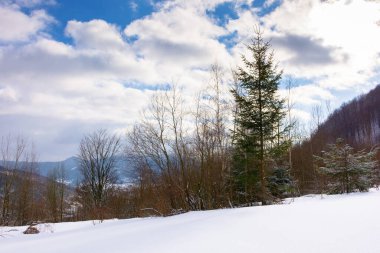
pixel 73 174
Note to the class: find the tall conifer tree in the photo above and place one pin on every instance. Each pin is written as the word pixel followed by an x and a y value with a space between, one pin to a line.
pixel 258 114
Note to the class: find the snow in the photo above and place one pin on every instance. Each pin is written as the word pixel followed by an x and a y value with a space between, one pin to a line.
pixel 338 223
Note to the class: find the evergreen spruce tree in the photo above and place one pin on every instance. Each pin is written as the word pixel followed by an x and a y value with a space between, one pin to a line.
pixel 258 115
pixel 281 183
pixel 345 170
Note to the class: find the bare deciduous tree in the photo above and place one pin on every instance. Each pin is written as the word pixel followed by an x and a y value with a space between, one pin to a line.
pixel 212 142
pixel 97 161
pixel 11 154
pixel 18 162
pixel 158 143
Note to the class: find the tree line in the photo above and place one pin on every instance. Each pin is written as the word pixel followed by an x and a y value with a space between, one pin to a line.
pixel 25 196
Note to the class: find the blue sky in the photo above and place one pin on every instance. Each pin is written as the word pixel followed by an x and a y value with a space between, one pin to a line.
pixel 70 67
pixel 123 12
pixel 113 11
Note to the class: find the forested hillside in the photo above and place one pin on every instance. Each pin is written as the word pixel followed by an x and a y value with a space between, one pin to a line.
pixel 357 122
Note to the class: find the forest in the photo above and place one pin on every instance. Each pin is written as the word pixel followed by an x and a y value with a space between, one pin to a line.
pixel 233 145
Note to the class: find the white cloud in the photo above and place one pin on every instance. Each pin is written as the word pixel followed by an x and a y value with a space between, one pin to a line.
pixel 331 46
pixel 269 3
pixel 310 94
pixel 8 94
pixel 95 34
pixel 199 5
pixel 177 50
pixel 100 79
pixel 87 81
pixel 30 3
pixel 18 26
pixel 349 28
pixel 334 42
pixel 134 6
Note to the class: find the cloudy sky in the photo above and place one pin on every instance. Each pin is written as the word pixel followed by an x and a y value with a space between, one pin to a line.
pixel 69 67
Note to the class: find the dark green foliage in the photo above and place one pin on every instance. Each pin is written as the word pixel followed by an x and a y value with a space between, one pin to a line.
pixel 280 183
pixel 258 134
pixel 345 170
pixel 245 180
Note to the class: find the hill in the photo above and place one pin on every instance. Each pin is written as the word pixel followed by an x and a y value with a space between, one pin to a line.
pixel 22 174
pixel 357 122
pixel 328 224
pixel 73 174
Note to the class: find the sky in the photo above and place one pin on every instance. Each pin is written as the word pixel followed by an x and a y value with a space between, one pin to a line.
pixel 70 67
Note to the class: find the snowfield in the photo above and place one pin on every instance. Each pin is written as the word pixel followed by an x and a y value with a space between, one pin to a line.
pixel 336 224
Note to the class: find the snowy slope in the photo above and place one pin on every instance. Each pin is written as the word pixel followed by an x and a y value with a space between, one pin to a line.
pixel 345 223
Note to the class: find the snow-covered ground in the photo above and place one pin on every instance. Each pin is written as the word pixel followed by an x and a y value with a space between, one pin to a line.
pixel 336 224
